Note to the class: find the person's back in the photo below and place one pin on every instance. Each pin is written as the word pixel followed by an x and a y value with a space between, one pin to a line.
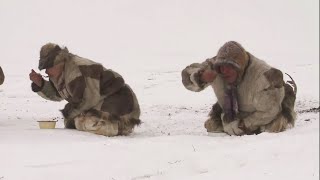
pixel 1 76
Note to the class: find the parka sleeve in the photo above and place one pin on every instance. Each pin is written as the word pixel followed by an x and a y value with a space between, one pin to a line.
pixel 191 75
pixel 47 91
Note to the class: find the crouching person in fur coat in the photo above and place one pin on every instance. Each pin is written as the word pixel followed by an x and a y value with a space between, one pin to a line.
pixel 252 96
pixel 1 76
pixel 99 100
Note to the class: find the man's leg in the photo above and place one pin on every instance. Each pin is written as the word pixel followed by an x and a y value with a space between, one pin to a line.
pixel 101 125
pixel 277 125
pixel 214 123
pixel 286 118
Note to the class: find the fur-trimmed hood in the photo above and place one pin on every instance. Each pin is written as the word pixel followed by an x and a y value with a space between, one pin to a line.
pixel 234 54
pixel 52 54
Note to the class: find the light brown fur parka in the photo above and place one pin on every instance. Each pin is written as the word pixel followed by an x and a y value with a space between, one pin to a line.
pixel 261 92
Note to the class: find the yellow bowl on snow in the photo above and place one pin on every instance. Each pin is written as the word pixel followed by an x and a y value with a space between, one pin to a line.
pixel 47 124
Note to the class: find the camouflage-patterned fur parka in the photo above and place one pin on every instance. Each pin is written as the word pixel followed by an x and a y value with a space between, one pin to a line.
pixel 87 86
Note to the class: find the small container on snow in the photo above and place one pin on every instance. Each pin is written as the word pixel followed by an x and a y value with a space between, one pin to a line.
pixel 217 134
pixel 47 124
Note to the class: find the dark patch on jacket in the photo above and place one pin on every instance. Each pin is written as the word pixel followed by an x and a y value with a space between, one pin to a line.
pixel 69 123
pixel 109 84
pixel 275 78
pixel 119 103
pixel 77 88
pixel 67 109
pixel 93 71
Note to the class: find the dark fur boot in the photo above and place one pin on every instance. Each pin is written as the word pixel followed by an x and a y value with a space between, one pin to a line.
pixel 214 123
pixel 289 101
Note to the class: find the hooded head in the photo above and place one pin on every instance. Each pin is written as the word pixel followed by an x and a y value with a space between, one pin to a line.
pixel 232 53
pixel 51 55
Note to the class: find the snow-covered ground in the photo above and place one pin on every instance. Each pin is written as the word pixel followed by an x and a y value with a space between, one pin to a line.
pixel 149 43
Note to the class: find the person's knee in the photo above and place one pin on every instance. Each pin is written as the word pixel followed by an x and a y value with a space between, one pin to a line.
pixel 277 125
pixel 107 128
pixel 91 123
pixel 84 123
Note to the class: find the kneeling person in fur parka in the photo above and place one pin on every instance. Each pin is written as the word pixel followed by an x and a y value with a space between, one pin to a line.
pixel 99 100
pixel 1 76
pixel 252 96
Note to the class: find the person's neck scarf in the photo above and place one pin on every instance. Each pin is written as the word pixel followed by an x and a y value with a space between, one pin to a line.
pixel 230 105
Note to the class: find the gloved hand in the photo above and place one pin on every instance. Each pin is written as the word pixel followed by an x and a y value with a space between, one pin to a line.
pixel 66 111
pixel 233 127
pixel 207 75
pixel 36 78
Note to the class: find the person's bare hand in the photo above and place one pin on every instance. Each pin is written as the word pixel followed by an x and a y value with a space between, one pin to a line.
pixel 208 75
pixel 36 78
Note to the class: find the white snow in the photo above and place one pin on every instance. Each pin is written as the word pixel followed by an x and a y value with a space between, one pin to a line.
pixel 149 43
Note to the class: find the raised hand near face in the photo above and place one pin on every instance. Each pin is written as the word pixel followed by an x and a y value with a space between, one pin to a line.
pixel 36 78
